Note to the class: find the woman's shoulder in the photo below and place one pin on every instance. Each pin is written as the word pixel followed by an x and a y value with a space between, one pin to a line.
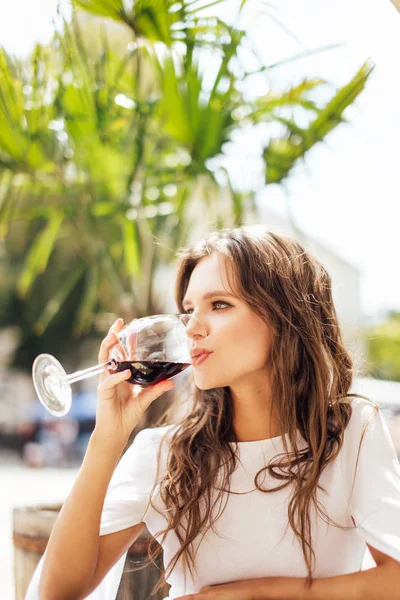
pixel 152 436
pixel 363 411
pixel 365 418
pixel 368 446
pixel 363 405
pixel 141 457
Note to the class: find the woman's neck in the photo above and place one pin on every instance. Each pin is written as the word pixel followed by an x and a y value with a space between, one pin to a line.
pixel 252 419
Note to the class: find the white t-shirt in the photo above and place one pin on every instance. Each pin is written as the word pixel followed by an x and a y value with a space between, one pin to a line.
pixel 249 539
pixel 252 542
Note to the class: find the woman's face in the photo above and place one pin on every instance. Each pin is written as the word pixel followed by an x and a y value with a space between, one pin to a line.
pixel 238 338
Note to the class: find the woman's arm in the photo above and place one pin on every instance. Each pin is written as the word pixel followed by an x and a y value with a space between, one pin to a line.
pixel 373 584
pixel 383 581
pixel 72 551
pixel 72 563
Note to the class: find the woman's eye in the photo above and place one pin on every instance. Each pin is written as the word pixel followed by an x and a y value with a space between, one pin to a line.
pixel 219 302
pixel 225 304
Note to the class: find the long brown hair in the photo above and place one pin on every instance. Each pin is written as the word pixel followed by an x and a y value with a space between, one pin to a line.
pixel 311 373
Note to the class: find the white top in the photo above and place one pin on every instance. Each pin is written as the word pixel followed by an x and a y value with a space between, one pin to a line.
pixel 252 542
pixel 250 539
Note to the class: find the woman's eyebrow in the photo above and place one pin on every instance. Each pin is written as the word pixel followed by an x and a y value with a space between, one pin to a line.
pixel 212 295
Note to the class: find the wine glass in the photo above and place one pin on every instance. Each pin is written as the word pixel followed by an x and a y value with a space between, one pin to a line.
pixel 154 348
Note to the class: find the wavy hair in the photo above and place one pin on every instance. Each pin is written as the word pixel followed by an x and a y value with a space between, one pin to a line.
pixel 310 370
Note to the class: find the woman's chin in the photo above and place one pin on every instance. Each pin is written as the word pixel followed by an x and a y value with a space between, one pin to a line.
pixel 204 384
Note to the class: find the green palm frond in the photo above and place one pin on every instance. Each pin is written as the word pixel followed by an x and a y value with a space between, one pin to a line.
pixel 147 18
pixel 39 253
pixel 7 200
pixel 199 119
pixel 91 117
pixel 26 111
pixel 282 153
pixel 57 300
pixel 89 301
pixel 113 9
pixel 154 20
pixel 131 248
pixel 264 107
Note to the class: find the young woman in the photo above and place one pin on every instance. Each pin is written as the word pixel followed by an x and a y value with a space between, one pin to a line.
pixel 274 479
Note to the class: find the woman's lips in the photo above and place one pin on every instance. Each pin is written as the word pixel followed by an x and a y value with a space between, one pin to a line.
pixel 198 360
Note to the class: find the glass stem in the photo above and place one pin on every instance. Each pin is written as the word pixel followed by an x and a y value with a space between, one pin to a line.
pixel 90 372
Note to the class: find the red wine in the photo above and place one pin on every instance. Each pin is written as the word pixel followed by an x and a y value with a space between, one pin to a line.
pixel 150 372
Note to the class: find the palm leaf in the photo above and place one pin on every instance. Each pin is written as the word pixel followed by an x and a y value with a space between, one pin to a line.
pixel 56 302
pixel 191 11
pixel 282 153
pixel 197 120
pixel 154 21
pixel 295 57
pixel 25 136
pixel 88 303
pixel 263 108
pixel 7 201
pixel 105 164
pixel 237 203
pixel 131 248
pixel 113 9
pixel 39 253
pixel 173 107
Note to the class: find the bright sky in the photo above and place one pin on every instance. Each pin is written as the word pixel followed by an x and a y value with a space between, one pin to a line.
pixel 347 193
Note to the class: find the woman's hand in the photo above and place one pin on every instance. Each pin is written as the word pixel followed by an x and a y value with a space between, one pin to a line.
pixel 237 590
pixel 265 588
pixel 120 404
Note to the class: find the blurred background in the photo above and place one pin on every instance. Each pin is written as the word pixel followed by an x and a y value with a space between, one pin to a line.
pixel 130 129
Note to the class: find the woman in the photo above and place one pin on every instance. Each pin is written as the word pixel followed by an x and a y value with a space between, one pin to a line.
pixel 274 480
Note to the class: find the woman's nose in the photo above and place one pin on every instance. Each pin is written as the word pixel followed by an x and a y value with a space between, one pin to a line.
pixel 195 328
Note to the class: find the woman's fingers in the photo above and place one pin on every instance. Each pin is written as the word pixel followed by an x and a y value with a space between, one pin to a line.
pixel 112 380
pixel 148 395
pixel 116 326
pixel 110 340
pixel 106 346
pixel 143 399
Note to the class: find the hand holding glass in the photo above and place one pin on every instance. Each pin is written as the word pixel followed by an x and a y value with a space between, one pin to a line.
pixel 154 348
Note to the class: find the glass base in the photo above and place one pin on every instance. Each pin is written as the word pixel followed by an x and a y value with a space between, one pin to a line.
pixel 51 385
